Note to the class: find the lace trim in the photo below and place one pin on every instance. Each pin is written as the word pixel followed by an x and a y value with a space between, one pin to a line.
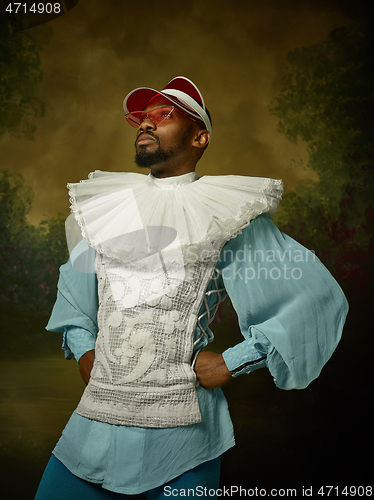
pixel 263 198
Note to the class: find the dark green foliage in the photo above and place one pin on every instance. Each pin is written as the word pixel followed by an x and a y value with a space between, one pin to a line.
pixel 29 256
pixel 20 76
pixel 328 102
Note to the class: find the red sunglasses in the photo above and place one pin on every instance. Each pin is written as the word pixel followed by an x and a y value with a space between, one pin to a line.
pixel 157 116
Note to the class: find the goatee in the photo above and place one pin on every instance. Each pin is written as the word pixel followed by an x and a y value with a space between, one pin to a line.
pixel 146 159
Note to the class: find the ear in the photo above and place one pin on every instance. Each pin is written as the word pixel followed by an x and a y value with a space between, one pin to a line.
pixel 201 139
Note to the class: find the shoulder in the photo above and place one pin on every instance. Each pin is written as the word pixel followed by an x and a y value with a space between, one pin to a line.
pixel 260 227
pixel 258 233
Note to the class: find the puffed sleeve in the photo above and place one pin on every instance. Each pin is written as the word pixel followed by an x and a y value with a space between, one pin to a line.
pixel 290 309
pixel 75 311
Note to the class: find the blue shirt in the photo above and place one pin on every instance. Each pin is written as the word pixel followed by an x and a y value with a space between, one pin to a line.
pixel 291 313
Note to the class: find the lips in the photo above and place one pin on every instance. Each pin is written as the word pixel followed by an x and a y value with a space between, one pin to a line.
pixel 144 139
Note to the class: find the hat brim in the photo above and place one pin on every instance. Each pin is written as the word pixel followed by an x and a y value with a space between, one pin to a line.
pixel 139 98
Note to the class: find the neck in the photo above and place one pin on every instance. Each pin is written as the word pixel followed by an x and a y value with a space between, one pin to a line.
pixel 162 170
pixel 162 174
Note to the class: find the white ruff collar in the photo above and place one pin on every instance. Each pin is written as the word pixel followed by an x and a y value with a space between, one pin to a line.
pixel 129 215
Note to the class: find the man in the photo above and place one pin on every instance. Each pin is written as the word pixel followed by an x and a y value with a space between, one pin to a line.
pixel 160 252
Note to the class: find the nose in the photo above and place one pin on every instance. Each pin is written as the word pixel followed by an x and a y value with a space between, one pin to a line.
pixel 147 124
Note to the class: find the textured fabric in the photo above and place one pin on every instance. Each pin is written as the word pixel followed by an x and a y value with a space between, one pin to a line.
pixel 99 452
pixel 77 341
pixel 196 217
pixel 75 310
pixel 135 459
pixel 58 483
pixel 151 284
pixel 285 300
pixel 77 301
pixel 244 358
pixel 142 373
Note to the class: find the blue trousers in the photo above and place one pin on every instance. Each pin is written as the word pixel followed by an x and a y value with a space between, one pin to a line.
pixel 58 483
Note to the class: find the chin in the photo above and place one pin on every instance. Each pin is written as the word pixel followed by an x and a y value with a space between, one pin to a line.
pixel 148 159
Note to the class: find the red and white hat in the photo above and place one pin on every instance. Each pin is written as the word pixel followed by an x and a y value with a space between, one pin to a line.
pixel 180 91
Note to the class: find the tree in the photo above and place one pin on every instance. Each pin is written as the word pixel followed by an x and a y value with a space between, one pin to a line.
pixel 29 256
pixel 20 76
pixel 328 101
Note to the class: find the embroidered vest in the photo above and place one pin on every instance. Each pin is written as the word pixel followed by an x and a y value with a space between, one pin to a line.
pixel 143 373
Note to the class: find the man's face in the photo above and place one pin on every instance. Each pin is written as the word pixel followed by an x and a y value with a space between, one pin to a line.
pixel 165 142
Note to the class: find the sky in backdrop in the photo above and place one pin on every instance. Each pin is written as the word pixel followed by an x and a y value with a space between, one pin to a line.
pixel 235 52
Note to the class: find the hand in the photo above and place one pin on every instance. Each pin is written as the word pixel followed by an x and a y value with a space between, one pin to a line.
pixel 211 370
pixel 85 365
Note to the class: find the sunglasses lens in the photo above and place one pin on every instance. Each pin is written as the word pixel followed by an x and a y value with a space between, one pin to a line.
pixel 157 116
pixel 134 119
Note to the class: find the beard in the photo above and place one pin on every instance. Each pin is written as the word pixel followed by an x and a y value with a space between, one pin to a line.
pixel 146 159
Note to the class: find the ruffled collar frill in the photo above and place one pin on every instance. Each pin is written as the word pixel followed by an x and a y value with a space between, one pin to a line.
pixel 129 216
